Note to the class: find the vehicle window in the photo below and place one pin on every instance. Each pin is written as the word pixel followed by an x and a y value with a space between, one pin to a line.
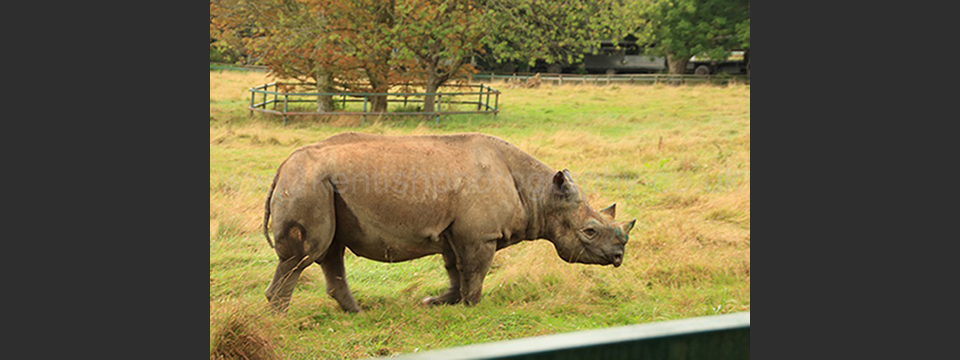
pixel 609 50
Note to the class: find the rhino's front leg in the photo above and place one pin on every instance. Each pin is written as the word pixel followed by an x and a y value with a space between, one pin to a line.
pixel 452 295
pixel 473 261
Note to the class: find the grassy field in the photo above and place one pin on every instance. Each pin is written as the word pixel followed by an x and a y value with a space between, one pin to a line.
pixel 675 158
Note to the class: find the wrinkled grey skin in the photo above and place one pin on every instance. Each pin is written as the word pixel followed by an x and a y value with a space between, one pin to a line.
pixel 394 199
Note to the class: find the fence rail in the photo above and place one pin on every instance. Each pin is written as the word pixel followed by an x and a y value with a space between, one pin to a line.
pixel 604 79
pixel 560 79
pixel 239 67
pixel 448 98
pixel 708 337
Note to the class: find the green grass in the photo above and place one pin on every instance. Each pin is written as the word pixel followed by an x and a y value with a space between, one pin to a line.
pixel 675 158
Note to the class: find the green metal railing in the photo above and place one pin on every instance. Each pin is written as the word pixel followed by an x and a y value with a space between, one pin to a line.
pixel 704 338
pixel 604 79
pixel 221 67
pixel 449 98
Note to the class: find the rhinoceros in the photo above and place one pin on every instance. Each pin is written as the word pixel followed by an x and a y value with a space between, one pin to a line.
pixel 397 198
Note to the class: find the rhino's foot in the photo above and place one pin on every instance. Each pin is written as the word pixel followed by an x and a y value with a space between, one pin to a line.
pixel 350 309
pixel 434 300
pixel 279 307
pixel 344 299
pixel 446 298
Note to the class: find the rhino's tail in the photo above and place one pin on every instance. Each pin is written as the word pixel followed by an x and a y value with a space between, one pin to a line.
pixel 266 207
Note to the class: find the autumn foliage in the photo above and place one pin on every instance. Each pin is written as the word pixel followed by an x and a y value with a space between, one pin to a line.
pixel 375 45
pixel 354 45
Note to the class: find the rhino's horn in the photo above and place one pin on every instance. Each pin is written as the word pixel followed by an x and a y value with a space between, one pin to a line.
pixel 610 211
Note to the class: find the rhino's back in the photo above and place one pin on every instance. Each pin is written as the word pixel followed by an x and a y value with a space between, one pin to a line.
pixel 399 194
pixel 354 154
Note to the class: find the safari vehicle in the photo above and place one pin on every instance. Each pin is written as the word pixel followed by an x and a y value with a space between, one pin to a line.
pixel 736 63
pixel 630 57
pixel 627 57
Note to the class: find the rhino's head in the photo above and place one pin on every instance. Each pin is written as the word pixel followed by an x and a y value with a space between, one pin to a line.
pixel 579 233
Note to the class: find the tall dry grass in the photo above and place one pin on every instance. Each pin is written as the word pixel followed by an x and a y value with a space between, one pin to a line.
pixel 233 85
pixel 242 331
pixel 675 158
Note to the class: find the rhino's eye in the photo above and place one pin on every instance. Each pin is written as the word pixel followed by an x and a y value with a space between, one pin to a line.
pixel 589 231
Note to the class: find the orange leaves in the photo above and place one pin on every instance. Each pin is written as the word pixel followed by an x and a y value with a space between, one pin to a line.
pixel 375 40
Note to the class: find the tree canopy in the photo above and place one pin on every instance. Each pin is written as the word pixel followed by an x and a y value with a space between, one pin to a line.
pixel 370 45
pixel 680 29
pixel 553 31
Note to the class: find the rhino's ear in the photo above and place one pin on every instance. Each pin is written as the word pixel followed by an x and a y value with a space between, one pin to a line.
pixel 559 179
pixel 561 185
pixel 610 211
pixel 628 226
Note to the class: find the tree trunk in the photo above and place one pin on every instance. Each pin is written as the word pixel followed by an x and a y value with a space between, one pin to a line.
pixel 379 74
pixel 746 55
pixel 378 103
pixel 325 85
pixel 432 86
pixel 677 65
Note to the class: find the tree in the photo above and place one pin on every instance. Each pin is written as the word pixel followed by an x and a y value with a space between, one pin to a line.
pixel 286 36
pixel 365 45
pixel 345 43
pixel 553 31
pixel 679 29
pixel 366 32
pixel 743 36
pixel 232 26
pixel 437 39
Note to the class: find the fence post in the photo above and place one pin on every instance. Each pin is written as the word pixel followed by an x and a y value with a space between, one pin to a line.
pixel 561 79
pixel 436 112
pixel 285 97
pixel 480 99
pixel 275 91
pixel 252 95
pixel 487 104
pixel 265 89
pixel 364 121
pixel 496 106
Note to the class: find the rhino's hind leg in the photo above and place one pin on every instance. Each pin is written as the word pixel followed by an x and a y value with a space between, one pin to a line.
pixel 333 271
pixel 299 243
pixel 452 295
pixel 285 279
